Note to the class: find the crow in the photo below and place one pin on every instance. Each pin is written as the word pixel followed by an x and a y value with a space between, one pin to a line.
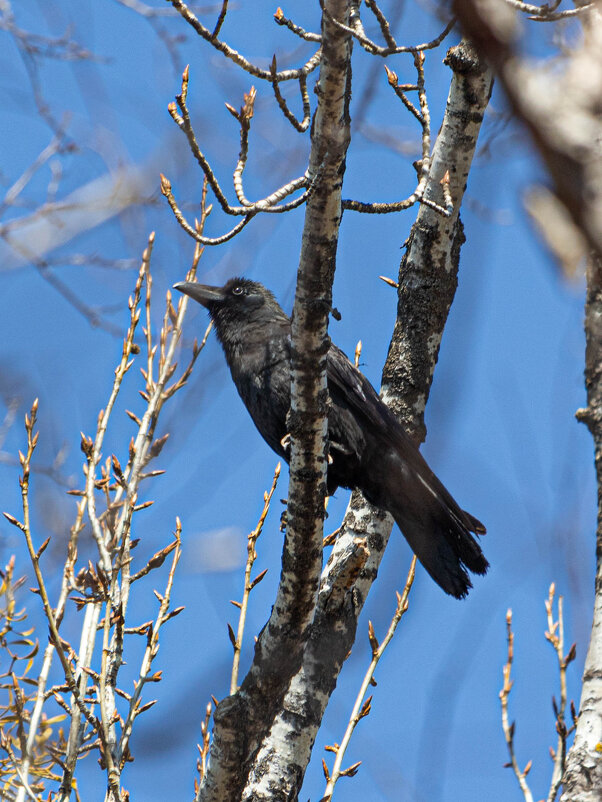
pixel 368 448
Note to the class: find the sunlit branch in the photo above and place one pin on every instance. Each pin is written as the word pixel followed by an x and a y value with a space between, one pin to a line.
pixel 248 583
pixel 423 117
pixel 555 636
pixel 237 58
pixel 269 204
pixel 508 727
pixel 392 48
pixel 361 708
pixel 280 19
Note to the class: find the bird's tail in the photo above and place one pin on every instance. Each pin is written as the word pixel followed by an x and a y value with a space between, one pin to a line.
pixel 437 529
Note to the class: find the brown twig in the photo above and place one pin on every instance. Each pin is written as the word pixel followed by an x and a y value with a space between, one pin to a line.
pixel 392 47
pixel 34 555
pixel 424 165
pixel 280 19
pixel 299 125
pixel 203 748
pixel 237 58
pixel 41 692
pixel 247 209
pixel 555 636
pixel 152 644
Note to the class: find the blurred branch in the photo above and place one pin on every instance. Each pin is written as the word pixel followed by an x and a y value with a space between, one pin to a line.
pixel 55 146
pixel 560 108
pixel 30 237
pixel 32 47
pixel 155 15
pixel 548 13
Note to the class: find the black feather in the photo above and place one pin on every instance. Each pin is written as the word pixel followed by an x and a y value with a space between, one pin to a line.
pixel 369 448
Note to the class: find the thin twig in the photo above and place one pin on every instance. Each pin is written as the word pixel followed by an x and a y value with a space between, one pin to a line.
pixel 203 749
pixel 152 647
pixel 237 58
pixel 361 708
pixel 280 19
pixel 35 560
pixel 424 165
pixel 248 584
pixel 393 48
pixel 191 230
pixel 220 19
pixel 299 125
pixel 508 727
pixel 41 693
pixel 268 204
pixel 545 13
pixel 93 450
pixel 555 636
pixel 385 28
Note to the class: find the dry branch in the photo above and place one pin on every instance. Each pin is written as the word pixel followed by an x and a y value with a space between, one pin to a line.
pixel 353 564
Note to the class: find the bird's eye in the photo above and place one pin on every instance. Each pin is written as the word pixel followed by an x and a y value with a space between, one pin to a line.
pixel 238 290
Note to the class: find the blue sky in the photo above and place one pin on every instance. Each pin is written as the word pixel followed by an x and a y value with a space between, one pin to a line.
pixel 501 427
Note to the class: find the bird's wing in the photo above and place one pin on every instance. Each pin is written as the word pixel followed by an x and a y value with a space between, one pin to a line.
pixel 351 389
pixel 348 387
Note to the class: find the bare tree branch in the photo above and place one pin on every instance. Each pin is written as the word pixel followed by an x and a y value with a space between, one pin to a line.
pixel 278 650
pixel 583 777
pixel 431 259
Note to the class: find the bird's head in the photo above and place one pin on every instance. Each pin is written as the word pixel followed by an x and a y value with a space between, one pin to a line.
pixel 239 302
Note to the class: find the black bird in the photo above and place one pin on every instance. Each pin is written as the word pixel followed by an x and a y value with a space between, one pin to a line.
pixel 369 449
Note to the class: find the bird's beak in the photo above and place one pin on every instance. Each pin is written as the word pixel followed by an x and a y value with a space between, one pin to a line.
pixel 202 293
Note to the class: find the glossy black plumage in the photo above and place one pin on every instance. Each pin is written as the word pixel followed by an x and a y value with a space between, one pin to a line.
pixel 369 449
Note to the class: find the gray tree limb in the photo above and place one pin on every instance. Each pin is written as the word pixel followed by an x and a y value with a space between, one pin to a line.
pixel 428 278
pixel 582 781
pixel 243 720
